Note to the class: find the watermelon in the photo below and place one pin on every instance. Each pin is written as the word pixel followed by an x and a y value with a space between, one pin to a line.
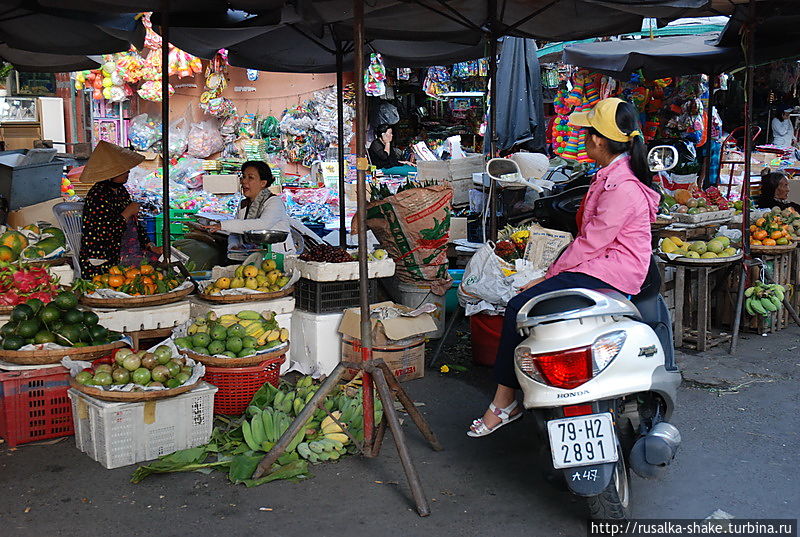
pixel 56 234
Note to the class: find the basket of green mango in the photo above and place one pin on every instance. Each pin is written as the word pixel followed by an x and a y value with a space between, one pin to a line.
pixel 247 338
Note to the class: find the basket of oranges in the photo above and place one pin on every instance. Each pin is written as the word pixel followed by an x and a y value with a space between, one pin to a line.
pixel 133 287
pixel 775 231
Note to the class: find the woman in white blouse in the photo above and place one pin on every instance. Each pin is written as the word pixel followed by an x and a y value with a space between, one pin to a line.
pixel 260 210
pixel 782 129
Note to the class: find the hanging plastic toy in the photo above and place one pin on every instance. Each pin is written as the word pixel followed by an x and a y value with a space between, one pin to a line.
pixel 375 76
pixel 252 75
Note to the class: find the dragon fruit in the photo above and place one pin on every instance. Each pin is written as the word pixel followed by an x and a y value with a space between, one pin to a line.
pixel 10 298
pixel 44 296
pixel 20 282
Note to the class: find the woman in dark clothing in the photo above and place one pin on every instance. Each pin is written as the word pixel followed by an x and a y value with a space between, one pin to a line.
pixel 774 191
pixel 382 153
pixel 109 212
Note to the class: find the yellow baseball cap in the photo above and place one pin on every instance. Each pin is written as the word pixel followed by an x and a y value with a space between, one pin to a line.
pixel 603 117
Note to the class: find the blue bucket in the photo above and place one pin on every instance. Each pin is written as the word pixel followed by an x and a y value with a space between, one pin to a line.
pixel 451 296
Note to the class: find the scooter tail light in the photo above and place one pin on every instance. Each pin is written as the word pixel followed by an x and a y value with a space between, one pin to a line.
pixel 563 369
pixel 605 349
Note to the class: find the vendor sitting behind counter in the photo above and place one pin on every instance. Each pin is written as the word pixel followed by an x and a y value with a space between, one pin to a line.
pixel 261 209
pixel 382 153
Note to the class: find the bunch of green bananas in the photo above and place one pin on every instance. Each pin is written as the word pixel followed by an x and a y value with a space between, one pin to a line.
pixel 266 427
pixel 763 299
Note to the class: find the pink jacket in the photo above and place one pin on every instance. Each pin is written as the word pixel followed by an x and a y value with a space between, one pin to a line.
pixel 614 242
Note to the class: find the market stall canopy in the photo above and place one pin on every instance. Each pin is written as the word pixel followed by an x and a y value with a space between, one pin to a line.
pixel 68 33
pixel 777 33
pixel 38 62
pixel 655 58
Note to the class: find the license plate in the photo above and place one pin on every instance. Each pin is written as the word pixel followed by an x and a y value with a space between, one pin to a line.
pixel 582 440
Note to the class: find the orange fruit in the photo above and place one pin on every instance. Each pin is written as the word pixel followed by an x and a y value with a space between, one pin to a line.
pixel 776 234
pixel 753 228
pixel 760 222
pixel 768 242
pixel 132 273
pixel 116 280
pixel 115 271
pixel 147 279
pixel 760 234
pixel 754 242
pixel 147 269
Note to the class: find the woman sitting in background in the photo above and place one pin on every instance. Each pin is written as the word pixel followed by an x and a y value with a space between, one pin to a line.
pixel 382 152
pixel 774 191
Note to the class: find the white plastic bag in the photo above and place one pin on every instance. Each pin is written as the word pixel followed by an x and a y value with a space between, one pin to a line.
pixel 144 132
pixel 484 281
pixel 204 140
pixel 178 137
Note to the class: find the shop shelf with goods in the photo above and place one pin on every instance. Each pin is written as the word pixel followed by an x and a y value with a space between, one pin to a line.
pixel 33 404
pixel 120 434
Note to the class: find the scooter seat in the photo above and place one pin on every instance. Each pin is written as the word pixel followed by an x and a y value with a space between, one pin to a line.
pixel 560 304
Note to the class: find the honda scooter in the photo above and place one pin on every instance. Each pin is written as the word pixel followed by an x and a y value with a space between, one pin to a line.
pixel 598 371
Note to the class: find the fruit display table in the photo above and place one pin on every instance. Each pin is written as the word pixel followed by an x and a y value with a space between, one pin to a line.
pixel 698 293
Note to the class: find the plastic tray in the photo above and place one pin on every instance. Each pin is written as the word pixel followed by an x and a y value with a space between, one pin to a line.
pixel 699 218
pixel 119 434
pixel 34 405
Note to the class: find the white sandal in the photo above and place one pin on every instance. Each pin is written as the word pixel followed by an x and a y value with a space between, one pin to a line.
pixel 479 428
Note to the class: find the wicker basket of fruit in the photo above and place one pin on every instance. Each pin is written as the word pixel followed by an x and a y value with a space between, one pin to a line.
pixel 249 283
pixel 133 287
pixel 53 331
pixel 775 232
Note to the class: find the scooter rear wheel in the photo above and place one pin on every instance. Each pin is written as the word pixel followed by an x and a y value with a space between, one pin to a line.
pixel 614 502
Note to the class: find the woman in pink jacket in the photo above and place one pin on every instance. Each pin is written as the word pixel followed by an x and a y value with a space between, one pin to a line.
pixel 613 247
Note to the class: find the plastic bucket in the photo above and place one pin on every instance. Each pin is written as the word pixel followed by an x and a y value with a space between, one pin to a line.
pixel 414 296
pixel 486 330
pixel 451 296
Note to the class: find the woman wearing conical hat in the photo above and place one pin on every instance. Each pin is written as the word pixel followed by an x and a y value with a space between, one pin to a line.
pixel 108 210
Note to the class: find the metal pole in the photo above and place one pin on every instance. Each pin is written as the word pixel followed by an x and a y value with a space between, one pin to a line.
pixel 165 125
pixel 749 37
pixel 340 134
pixel 361 215
pixel 492 112
pixel 709 122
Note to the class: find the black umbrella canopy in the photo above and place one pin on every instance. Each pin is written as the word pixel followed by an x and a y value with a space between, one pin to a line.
pixel 67 33
pixel 777 29
pixel 40 62
pixel 655 58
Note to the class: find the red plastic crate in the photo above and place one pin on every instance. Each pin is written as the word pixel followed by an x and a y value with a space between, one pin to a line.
pixel 34 405
pixel 237 385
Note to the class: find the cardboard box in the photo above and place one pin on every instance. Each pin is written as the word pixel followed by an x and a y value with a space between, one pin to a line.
pixel 33 213
pixel 152 161
pixel 406 361
pixel 458 228
pixel 221 184
pixel 457 172
pixel 398 341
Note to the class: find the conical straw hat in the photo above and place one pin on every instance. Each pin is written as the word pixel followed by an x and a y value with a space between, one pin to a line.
pixel 107 161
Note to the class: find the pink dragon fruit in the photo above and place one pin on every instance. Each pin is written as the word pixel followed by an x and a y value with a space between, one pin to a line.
pixel 44 296
pixel 10 298
pixel 25 282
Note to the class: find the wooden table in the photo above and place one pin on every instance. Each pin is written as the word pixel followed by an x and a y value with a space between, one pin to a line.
pixel 692 329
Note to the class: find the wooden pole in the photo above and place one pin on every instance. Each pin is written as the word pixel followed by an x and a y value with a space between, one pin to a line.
pixel 165 126
pixel 361 192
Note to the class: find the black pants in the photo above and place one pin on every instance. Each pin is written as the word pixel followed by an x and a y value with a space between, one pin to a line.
pixel 510 338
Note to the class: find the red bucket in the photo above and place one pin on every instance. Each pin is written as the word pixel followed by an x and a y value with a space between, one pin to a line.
pixel 237 385
pixel 486 330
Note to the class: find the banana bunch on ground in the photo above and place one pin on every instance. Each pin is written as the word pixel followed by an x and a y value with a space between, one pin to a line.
pixel 324 436
pixel 763 299
pixel 236 336
pixel 266 279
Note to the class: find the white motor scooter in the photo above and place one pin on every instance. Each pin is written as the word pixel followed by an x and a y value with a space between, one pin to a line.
pixel 598 371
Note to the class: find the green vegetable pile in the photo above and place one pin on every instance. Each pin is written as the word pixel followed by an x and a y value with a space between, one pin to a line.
pixel 238 445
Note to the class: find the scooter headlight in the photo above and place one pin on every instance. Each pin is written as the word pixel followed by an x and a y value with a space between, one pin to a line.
pixel 605 349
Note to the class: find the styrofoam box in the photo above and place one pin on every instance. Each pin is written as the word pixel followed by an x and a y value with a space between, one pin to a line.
pixel 332 272
pixel 64 273
pixel 150 318
pixel 119 434
pixel 278 305
pixel 316 344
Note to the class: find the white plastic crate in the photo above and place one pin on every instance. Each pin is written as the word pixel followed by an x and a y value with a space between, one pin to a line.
pixel 333 272
pixel 120 434
pixel 149 318
pixel 316 344
pixel 279 305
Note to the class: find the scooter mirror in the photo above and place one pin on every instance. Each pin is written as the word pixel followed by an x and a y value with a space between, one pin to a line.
pixel 662 158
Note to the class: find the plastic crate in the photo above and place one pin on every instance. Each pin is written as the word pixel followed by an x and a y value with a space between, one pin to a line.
pixel 330 297
pixel 119 434
pixel 237 385
pixel 149 223
pixel 34 405
pixel 177 226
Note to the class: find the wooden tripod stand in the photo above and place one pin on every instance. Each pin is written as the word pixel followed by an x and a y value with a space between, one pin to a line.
pixel 388 388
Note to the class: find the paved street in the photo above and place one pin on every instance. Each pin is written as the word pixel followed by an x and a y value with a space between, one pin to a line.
pixel 737 416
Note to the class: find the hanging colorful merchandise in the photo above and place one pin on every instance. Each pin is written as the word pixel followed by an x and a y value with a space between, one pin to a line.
pixel 584 95
pixel 375 76
pixel 211 100
pixel 437 82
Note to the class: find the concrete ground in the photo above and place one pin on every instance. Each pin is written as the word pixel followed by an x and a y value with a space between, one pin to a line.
pixel 737 415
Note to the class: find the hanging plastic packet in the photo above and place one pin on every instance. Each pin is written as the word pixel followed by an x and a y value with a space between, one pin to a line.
pixel 252 75
pixel 375 76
